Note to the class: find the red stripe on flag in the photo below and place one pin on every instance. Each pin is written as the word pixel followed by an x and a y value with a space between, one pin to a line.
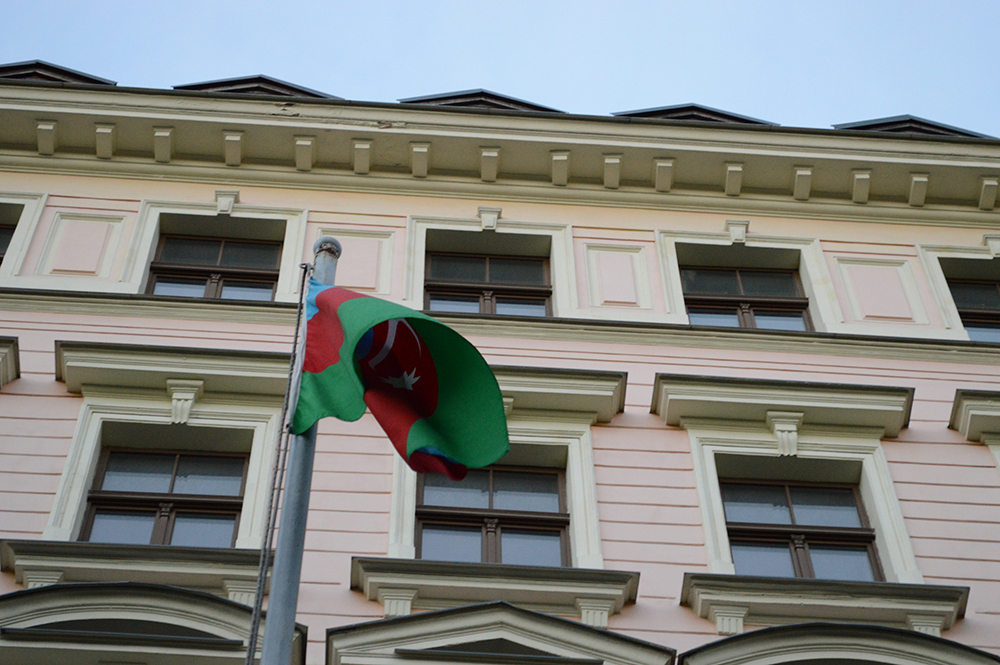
pixel 324 332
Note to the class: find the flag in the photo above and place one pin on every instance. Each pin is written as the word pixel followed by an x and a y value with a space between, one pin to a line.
pixel 427 386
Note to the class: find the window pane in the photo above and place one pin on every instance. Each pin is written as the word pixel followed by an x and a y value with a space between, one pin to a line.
pixel 526 491
pixel 259 291
pixel 203 530
pixel 440 543
pixel 763 504
pixel 250 255
pixel 459 304
pixel 726 318
pixel 458 268
pixel 763 559
pixel 981 332
pixel 842 563
pixel 778 320
pixel 471 492
pixel 520 307
pixel 6 233
pixel 772 284
pixel 531 548
pixel 218 476
pixel 191 251
pixel 975 296
pixel 517 271
pixel 710 282
pixel 122 528
pixel 132 472
pixel 824 506
pixel 179 288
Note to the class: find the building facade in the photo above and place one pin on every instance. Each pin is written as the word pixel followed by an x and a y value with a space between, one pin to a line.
pixel 750 374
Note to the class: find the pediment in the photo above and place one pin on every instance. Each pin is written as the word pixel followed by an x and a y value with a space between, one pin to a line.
pixel 495 631
pixel 138 619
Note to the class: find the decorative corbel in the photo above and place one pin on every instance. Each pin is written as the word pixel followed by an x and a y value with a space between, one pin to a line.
pixel 232 147
pixel 988 192
pixel 992 240
pixel 734 179
pixel 737 230
pixel 595 611
pixel 785 426
pixel 663 174
pixel 397 602
pixel 489 164
pixel 489 217
pixel 728 619
pixel 225 199
pixel 183 393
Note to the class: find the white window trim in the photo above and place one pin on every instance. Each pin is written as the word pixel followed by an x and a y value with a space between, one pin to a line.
pixel 24 231
pixel 824 307
pixel 35 608
pixel 930 256
pixel 142 249
pixel 10 361
pixel 550 415
pixel 562 263
pixel 130 384
pixel 812 643
pixel 739 417
pixel 385 642
pixel 976 416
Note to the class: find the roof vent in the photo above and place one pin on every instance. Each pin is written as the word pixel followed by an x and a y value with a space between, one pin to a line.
pixel 909 124
pixel 39 70
pixel 256 85
pixel 693 113
pixel 479 99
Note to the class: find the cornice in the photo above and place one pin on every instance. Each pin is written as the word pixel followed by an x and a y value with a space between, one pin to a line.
pixel 959 175
pixel 81 364
pixel 976 415
pixel 568 330
pixel 733 600
pixel 783 405
pixel 601 394
pixel 506 189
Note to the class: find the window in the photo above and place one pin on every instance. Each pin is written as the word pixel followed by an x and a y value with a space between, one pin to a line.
pixel 745 298
pixel 10 213
pixel 6 233
pixel 183 499
pixel 215 268
pixel 978 304
pixel 799 530
pixel 482 284
pixel 497 515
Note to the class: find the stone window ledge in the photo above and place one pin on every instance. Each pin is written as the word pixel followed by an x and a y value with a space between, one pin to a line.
pixel 403 585
pixel 225 572
pixel 732 601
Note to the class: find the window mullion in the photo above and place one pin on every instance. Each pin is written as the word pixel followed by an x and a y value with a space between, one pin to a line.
pixel 160 526
pixel 491 540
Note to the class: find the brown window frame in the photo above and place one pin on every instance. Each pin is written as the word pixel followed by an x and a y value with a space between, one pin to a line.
pixel 487 291
pixel 977 317
pixel 215 276
pixel 799 537
pixel 746 304
pixel 164 506
pixel 493 521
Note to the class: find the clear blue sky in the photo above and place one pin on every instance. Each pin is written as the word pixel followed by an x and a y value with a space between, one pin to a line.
pixel 805 64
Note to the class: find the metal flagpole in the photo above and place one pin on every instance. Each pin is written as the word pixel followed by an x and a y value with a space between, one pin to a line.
pixel 279 628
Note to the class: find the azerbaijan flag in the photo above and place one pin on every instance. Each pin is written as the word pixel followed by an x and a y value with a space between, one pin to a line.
pixel 429 388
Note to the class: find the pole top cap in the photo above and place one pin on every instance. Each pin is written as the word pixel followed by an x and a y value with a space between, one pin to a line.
pixel 328 245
